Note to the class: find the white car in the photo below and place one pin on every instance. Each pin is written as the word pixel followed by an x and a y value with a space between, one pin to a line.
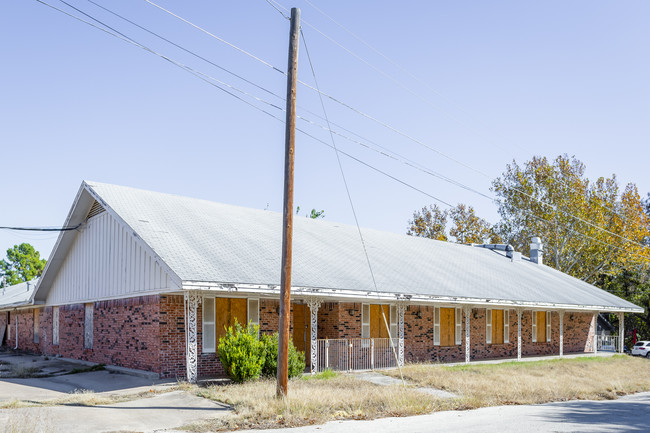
pixel 641 348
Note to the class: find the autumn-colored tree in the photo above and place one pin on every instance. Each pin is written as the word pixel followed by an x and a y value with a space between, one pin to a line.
pixel 468 228
pixel 23 263
pixel 588 228
pixel 430 222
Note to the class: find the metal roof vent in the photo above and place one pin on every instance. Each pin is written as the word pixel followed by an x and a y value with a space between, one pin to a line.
pixel 95 210
pixel 537 251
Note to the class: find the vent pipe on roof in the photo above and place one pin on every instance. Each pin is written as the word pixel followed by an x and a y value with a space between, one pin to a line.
pixel 537 251
pixel 510 251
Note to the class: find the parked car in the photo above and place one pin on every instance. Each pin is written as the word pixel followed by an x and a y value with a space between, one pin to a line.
pixel 641 348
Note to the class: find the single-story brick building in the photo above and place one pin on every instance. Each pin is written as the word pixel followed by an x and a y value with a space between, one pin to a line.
pixel 149 280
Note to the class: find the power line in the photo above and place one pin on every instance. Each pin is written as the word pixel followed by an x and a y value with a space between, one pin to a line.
pixel 206 78
pixel 41 229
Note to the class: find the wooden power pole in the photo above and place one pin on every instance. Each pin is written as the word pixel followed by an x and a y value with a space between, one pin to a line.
pixel 287 221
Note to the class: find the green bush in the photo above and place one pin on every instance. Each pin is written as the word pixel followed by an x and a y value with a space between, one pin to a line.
pixel 242 353
pixel 296 358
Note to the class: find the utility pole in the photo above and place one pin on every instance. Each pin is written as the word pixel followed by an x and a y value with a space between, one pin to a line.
pixel 287 221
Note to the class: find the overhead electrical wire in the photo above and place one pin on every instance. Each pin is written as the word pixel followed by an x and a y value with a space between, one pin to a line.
pixel 397 131
pixel 41 229
pixel 403 69
pixel 206 78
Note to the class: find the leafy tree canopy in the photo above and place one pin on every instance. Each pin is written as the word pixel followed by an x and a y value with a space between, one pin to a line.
pixel 584 224
pixel 23 263
pixel 466 227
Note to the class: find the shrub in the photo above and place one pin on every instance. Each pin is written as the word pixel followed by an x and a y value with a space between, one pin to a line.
pixel 241 352
pixel 296 358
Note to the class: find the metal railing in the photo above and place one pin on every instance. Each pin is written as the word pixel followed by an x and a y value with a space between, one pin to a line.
pixel 354 354
pixel 607 343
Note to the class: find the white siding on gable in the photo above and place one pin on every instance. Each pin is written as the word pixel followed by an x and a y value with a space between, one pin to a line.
pixel 106 261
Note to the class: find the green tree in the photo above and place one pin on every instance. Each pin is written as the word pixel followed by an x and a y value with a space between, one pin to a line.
pixel 583 224
pixel 23 263
pixel 633 286
pixel 314 214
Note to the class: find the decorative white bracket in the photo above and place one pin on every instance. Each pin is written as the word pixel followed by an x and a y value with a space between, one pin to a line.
pixel 314 304
pixel 561 314
pixel 401 309
pixel 468 312
pixel 621 332
pixel 519 313
pixel 192 301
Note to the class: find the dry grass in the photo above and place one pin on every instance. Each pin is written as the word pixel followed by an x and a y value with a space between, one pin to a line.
pixel 312 401
pixel 593 378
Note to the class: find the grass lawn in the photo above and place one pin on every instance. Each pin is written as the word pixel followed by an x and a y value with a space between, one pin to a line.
pixel 326 397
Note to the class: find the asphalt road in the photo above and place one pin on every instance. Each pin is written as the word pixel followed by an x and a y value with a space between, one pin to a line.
pixel 627 414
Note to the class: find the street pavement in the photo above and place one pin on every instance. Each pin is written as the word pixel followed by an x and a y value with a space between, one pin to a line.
pixel 627 414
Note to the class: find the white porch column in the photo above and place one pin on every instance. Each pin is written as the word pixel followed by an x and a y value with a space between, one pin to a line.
pixel 468 311
pixel 595 319
pixel 519 313
pixel 192 301
pixel 401 308
pixel 314 305
pixel 561 313
pixel 621 332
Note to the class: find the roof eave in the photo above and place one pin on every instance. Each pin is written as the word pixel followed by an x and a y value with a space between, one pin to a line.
pixel 371 295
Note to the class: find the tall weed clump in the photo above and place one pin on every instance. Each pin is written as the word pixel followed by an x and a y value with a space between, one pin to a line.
pixel 296 358
pixel 241 352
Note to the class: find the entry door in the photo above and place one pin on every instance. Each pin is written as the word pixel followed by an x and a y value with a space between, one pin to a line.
pixel 301 328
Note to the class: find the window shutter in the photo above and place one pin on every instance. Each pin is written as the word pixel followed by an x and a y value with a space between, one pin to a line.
pixel 436 326
pixel 506 326
pixel 365 321
pixel 459 325
pixel 548 326
pixel 393 322
pixel 209 330
pixel 253 311
pixel 534 316
pixel 488 326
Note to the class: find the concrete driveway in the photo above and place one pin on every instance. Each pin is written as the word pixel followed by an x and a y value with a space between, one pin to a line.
pixel 627 414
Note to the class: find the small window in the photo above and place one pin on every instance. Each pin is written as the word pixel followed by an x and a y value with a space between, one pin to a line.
pixel 37 337
pixel 55 326
pixel 254 311
pixel 365 321
pixel 88 326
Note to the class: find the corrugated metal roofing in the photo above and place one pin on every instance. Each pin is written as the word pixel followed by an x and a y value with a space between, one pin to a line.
pixel 18 294
pixel 212 242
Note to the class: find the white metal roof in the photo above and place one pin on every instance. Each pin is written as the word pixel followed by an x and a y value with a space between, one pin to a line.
pixel 213 243
pixel 18 295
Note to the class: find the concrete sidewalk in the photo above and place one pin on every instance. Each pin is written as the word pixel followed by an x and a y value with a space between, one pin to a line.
pixel 161 412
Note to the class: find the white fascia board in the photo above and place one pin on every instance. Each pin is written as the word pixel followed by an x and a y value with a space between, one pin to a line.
pixel 359 296
pixel 174 277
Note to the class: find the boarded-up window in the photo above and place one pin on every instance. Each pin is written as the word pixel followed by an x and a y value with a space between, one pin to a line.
pixel 227 310
pixel 55 326
pixel 540 329
pixel 495 329
pixel 209 342
pixel 447 326
pixel 88 326
pixel 378 325
pixel 37 336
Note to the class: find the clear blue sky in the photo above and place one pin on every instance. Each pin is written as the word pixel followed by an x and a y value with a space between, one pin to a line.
pixel 504 80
